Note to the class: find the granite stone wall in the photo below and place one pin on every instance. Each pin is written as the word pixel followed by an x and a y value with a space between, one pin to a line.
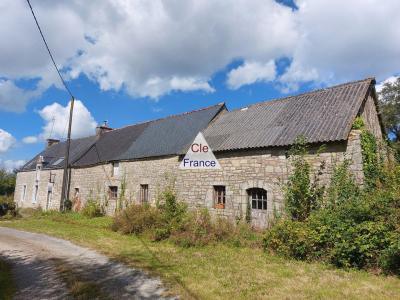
pixel 241 170
pixel 370 115
pixel 48 189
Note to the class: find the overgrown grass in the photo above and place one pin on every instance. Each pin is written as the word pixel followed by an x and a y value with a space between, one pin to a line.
pixel 218 271
pixel 7 288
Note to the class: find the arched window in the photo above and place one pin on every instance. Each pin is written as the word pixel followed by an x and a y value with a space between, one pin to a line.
pixel 257 198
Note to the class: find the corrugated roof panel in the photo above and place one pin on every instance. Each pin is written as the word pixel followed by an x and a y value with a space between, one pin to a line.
pixel 321 116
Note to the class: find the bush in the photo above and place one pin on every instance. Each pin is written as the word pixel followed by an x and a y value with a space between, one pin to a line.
pixel 92 209
pixel 358 123
pixel 356 228
pixel 8 209
pixel 171 220
pixel 136 219
pixel 390 257
pixel 358 232
pixel 301 195
pixel 290 239
pixel 343 186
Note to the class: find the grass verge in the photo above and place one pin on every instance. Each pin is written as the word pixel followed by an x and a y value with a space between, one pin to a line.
pixel 219 271
pixel 7 288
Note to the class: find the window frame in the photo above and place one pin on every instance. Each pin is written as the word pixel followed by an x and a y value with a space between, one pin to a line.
pixel 258 198
pixel 35 193
pixel 113 192
pixel 144 193
pixel 23 195
pixel 115 169
pixel 219 196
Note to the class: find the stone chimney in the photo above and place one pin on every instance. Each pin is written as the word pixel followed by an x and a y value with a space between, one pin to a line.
pixel 102 128
pixel 51 142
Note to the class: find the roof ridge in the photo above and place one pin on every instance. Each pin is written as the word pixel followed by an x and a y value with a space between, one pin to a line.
pixel 168 117
pixel 306 93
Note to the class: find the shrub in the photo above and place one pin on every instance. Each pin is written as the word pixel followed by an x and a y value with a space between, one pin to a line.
pixel 200 229
pixel 372 164
pixel 136 219
pixel 358 123
pixel 301 195
pixel 197 230
pixel 290 239
pixel 356 233
pixel 390 257
pixel 343 186
pixel 357 228
pixel 92 209
pixel 8 209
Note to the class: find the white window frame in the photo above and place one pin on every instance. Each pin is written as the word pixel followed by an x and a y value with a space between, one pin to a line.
pixel 23 194
pixel 115 169
pixel 35 193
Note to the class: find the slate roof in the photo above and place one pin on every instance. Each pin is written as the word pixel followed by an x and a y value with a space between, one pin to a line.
pixel 170 135
pixel 53 156
pixel 321 116
pixel 160 137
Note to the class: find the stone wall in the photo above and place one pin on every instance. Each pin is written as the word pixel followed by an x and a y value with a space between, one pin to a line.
pixel 46 181
pixel 370 115
pixel 94 182
pixel 267 169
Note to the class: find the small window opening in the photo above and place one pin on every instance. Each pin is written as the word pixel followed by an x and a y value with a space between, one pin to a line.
pixel 219 196
pixel 113 192
pixel 144 193
pixel 115 169
pixel 258 198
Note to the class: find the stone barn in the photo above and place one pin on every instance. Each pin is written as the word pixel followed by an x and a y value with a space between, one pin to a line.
pixel 135 163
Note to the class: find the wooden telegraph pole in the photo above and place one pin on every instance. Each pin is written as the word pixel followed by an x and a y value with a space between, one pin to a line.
pixel 65 182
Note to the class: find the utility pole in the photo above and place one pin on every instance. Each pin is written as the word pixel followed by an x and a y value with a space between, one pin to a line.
pixel 65 182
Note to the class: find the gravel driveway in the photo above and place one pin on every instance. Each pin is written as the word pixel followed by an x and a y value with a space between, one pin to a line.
pixel 35 257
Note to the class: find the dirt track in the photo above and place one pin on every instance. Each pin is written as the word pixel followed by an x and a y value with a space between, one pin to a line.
pixel 33 258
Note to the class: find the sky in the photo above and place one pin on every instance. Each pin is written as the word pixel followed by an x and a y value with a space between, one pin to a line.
pixel 132 61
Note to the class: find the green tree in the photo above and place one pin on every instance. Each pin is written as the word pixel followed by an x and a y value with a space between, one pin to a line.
pixel 389 102
pixel 7 182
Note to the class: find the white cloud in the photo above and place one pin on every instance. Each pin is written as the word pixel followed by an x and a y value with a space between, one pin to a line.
pixel 251 72
pixel 13 98
pixel 30 139
pixel 146 48
pixel 6 141
pixel 11 165
pixel 346 40
pixel 150 48
pixel 83 123
pixel 391 79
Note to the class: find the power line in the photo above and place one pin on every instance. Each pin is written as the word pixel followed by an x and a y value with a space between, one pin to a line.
pixel 48 50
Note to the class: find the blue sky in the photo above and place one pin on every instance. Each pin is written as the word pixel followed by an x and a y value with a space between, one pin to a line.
pixel 129 63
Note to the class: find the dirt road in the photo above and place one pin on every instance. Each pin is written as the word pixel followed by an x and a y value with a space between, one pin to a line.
pixel 37 258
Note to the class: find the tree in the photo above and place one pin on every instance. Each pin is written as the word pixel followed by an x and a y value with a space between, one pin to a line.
pixel 389 98
pixel 7 182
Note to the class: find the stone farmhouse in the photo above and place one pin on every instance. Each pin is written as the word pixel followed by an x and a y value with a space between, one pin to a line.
pixel 135 163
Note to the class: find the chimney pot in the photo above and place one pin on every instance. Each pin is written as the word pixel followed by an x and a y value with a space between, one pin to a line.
pixel 102 128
